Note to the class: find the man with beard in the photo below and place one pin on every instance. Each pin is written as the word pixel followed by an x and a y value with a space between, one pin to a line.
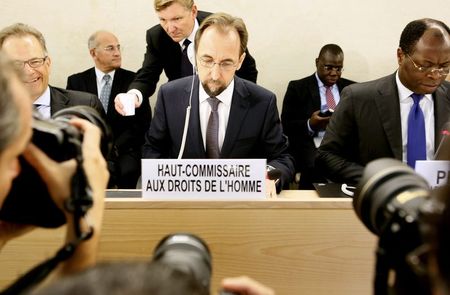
pixel 167 50
pixel 229 117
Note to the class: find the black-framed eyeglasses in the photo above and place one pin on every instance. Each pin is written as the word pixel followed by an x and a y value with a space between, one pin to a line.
pixel 112 48
pixel 442 71
pixel 33 63
pixel 330 68
pixel 227 65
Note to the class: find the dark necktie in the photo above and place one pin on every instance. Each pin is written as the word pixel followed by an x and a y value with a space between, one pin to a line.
pixel 331 103
pixel 106 92
pixel 416 146
pixel 186 66
pixel 212 131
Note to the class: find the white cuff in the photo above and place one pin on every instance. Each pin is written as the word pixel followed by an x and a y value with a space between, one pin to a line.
pixel 137 93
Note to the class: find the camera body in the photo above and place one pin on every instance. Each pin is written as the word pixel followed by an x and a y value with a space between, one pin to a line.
pixel 393 202
pixel 29 201
pixel 190 254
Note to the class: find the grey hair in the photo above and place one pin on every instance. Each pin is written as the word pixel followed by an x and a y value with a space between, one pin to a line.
pixel 9 111
pixel 19 30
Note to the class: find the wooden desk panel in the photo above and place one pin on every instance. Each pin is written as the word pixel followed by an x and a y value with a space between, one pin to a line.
pixel 297 244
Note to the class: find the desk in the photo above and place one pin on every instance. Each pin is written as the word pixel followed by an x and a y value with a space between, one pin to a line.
pixel 297 243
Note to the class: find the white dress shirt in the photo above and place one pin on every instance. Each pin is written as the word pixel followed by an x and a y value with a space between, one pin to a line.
pixel 43 104
pixel 323 106
pixel 427 106
pixel 223 110
pixel 100 83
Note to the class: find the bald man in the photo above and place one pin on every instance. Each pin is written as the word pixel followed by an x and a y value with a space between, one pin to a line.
pixel 128 131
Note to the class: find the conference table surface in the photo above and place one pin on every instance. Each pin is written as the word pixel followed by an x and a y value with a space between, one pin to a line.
pixel 296 243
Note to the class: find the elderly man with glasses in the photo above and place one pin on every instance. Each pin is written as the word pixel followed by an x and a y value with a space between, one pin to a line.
pixel 304 115
pixel 26 47
pixel 106 79
pixel 399 116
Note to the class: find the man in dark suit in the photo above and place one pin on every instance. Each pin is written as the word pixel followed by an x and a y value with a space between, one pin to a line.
pixel 373 119
pixel 167 49
pixel 230 117
pixel 26 46
pixel 128 131
pixel 302 120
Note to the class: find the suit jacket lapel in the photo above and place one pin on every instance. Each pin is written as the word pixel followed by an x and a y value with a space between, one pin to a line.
pixel 441 99
pixel 389 112
pixel 238 111
pixel 194 140
pixel 313 87
pixel 92 82
pixel 57 101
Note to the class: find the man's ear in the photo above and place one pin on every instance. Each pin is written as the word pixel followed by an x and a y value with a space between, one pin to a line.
pixel 194 11
pixel 241 60
pixel 92 52
pixel 400 55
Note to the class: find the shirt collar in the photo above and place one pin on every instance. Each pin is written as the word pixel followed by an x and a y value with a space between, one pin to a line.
pixel 404 93
pixel 225 97
pixel 99 74
pixel 191 37
pixel 44 99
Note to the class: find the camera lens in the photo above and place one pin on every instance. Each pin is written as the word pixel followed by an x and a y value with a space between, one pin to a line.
pixel 91 115
pixel 386 186
pixel 187 253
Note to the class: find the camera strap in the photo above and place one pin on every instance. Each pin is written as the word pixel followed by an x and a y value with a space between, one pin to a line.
pixel 41 271
pixel 78 205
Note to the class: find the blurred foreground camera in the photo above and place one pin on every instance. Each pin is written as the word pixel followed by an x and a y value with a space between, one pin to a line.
pixel 189 254
pixel 29 201
pixel 392 202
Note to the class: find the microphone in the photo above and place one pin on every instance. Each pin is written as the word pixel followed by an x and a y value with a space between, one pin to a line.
pixel 191 56
pixel 190 52
pixel 443 150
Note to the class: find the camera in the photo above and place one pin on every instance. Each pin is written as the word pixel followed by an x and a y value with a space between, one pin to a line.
pixel 189 254
pixel 29 201
pixel 395 203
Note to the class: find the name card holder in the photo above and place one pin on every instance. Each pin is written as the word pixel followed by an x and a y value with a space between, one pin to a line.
pixel 204 179
pixel 436 173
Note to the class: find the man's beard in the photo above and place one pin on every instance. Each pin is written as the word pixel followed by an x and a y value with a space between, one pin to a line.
pixel 215 92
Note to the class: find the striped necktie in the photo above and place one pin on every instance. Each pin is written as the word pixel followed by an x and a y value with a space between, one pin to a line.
pixel 212 130
pixel 331 103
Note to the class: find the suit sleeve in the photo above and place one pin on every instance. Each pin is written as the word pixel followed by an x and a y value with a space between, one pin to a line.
pixel 294 120
pixel 337 155
pixel 70 86
pixel 157 143
pixel 95 103
pixel 276 145
pixel 148 76
pixel 248 69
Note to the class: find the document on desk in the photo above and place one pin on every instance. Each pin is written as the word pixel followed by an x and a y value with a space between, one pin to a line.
pixel 204 179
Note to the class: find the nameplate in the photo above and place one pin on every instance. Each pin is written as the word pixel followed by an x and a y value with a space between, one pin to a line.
pixel 201 179
pixel 436 173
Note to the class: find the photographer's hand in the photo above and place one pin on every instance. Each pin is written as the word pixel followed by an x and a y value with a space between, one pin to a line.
pixel 246 286
pixel 9 231
pixel 58 176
